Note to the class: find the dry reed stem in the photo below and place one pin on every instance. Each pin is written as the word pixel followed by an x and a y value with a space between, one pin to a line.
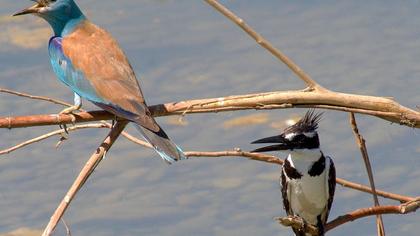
pixel 365 156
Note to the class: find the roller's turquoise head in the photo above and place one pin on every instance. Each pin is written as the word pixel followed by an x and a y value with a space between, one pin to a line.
pixel 62 15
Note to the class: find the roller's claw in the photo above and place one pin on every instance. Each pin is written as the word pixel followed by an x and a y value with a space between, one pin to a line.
pixel 69 111
pixel 65 128
pixel 73 118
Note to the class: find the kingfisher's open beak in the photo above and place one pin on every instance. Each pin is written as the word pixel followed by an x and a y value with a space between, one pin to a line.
pixel 283 144
pixel 40 4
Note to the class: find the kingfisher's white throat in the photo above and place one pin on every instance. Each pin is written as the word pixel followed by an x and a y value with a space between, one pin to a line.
pixel 303 159
pixel 312 154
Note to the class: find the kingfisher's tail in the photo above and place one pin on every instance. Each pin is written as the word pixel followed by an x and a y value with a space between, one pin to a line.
pixel 168 150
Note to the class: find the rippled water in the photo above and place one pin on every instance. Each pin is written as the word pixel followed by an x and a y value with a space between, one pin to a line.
pixel 183 50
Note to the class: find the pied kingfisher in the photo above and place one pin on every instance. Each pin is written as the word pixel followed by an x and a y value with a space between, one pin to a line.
pixel 307 176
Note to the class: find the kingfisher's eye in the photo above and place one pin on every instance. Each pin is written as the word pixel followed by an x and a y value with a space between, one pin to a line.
pixel 299 137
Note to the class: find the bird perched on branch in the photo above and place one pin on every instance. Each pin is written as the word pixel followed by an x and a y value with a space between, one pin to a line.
pixel 307 176
pixel 89 60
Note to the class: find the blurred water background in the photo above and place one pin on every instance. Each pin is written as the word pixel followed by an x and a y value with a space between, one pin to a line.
pixel 184 50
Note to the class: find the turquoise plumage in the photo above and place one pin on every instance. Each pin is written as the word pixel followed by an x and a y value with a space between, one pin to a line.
pixel 88 60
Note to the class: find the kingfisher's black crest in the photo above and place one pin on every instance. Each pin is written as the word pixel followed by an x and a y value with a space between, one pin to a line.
pixel 301 135
pixel 309 123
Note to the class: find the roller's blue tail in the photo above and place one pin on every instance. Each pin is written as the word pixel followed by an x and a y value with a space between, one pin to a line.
pixel 168 150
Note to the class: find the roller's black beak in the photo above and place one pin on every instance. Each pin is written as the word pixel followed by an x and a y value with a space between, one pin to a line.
pixel 283 144
pixel 30 10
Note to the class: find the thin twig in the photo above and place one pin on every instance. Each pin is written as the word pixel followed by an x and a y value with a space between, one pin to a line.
pixel 48 99
pixel 235 153
pixel 275 160
pixel 367 189
pixel 312 84
pixel 84 174
pixel 50 134
pixel 68 232
pixel 62 132
pixel 362 146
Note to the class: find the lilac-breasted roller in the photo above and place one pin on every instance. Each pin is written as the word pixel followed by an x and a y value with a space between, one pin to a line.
pixel 88 60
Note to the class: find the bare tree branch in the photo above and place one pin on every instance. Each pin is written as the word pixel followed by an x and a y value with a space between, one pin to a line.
pixel 365 156
pixel 87 170
pixel 384 108
pixel 404 208
pixel 297 223
pixel 312 84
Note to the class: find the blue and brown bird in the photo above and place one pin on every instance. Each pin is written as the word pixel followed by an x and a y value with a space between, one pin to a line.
pixel 89 60
pixel 307 176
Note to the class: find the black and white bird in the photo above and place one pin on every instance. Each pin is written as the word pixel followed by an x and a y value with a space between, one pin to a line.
pixel 307 176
